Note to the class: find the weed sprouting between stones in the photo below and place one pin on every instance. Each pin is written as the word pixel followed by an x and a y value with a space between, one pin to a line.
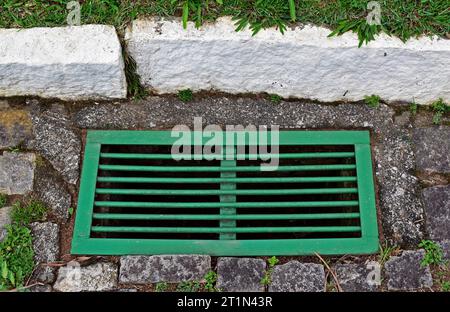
pixel 16 250
pixel 372 101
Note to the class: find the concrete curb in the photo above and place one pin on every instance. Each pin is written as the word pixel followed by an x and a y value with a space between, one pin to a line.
pixel 70 63
pixel 304 63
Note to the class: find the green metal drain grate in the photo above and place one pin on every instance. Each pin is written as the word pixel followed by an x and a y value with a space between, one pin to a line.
pixel 135 199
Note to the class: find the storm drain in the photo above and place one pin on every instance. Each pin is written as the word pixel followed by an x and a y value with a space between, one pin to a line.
pixel 136 199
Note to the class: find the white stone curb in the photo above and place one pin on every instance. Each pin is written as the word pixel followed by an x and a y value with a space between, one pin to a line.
pixel 70 63
pixel 303 63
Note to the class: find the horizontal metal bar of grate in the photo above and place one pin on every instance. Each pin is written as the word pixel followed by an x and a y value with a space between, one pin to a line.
pixel 225 230
pixel 309 204
pixel 238 156
pixel 223 169
pixel 226 180
pixel 227 192
pixel 317 216
pixel 135 198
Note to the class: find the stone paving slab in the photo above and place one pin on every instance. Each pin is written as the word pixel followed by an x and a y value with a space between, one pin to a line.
pixel 437 209
pixel 50 189
pixel 15 128
pixel 298 277
pixel 101 276
pixel 432 149
pixel 445 245
pixel 46 249
pixel 164 268
pixel 240 274
pixel 405 272
pixel 57 141
pixel 17 173
pixel 357 277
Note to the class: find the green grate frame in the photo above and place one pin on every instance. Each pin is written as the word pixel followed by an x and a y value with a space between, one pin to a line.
pixel 227 245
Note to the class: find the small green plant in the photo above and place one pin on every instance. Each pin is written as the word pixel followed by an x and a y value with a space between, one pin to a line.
pixel 433 253
pixel 267 278
pixel 3 200
pixel 194 8
pixel 445 286
pixel 275 98
pixel 16 257
pixel 273 261
pixel 161 287
pixel 372 101
pixel 191 286
pixel 211 279
pixel 134 86
pixel 365 31
pixel 25 213
pixel 413 108
pixel 386 252
pixel 439 108
pixel 185 95
pixel 259 15
pixel 17 149
pixel 70 211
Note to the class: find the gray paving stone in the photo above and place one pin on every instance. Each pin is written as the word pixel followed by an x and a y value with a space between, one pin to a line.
pixel 405 272
pixel 46 249
pixel 17 173
pixel 101 276
pixel 15 128
pixel 298 277
pixel 240 274
pixel 56 140
pixel 164 268
pixel 445 245
pixel 354 277
pixel 432 149
pixel 437 210
pixel 50 189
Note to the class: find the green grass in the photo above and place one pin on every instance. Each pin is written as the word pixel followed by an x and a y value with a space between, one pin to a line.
pixel 275 98
pixel 372 101
pixel 185 95
pixel 210 281
pixel 3 200
pixel 25 213
pixel 386 252
pixel 16 250
pixel 267 278
pixel 16 257
pixel 191 286
pixel 433 253
pixel 402 18
pixel 439 108
pixel 161 287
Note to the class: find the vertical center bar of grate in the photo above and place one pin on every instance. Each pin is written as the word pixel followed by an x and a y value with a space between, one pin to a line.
pixel 228 198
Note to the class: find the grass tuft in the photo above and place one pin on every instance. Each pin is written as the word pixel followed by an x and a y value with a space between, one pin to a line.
pixel 372 101
pixel 433 253
pixel 185 95
pixel 439 108
pixel 3 200
pixel 26 213
pixel 16 257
